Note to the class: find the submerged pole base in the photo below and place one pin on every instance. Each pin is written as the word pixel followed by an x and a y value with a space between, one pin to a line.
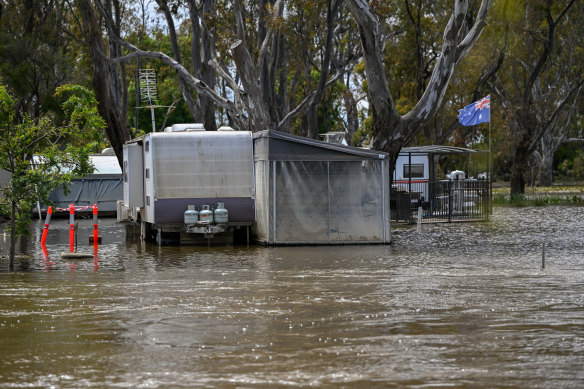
pixel 76 255
pixel 92 239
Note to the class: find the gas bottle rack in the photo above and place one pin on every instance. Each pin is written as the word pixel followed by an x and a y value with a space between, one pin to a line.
pixel 206 221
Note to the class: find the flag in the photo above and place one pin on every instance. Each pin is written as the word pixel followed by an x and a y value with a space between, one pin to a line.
pixel 475 113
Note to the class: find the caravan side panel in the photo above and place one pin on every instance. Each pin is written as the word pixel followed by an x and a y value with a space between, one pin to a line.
pixel 149 193
pixel 199 167
pixel 133 173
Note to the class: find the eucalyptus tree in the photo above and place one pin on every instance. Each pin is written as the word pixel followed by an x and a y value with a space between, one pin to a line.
pixel 392 130
pixel 246 50
pixel 564 70
pixel 539 78
pixel 109 81
pixel 35 55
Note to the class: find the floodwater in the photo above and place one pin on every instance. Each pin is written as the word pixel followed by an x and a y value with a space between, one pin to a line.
pixel 453 305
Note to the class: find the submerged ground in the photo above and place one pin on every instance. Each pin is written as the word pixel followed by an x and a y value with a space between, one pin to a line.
pixel 454 305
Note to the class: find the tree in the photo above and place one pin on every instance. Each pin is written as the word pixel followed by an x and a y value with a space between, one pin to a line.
pixel 251 60
pixel 391 131
pixel 109 86
pixel 35 56
pixel 535 91
pixel 38 165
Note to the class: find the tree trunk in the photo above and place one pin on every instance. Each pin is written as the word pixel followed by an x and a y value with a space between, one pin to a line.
pixel 13 236
pixel 390 130
pixel 207 73
pixel 518 171
pixel 184 87
pixel 517 180
pixel 546 169
pixel 312 110
pixel 116 129
pixel 351 110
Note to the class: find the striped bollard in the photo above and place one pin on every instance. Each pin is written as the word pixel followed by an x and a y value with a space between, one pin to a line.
pixel 71 228
pixel 95 233
pixel 47 222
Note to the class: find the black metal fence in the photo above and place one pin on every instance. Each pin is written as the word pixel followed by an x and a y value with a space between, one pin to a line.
pixel 444 200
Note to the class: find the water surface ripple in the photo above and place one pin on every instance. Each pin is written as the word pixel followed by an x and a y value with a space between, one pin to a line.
pixel 455 305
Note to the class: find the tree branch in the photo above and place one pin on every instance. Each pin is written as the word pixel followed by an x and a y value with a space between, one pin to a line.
pixel 279 8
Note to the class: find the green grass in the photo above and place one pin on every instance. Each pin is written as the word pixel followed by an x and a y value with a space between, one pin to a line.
pixel 523 200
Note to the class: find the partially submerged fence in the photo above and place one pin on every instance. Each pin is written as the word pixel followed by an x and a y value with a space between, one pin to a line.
pixel 442 200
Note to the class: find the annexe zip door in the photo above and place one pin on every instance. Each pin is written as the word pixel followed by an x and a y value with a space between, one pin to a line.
pixel 330 202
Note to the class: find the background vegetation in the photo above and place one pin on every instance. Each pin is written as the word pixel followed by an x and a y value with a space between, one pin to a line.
pixel 298 66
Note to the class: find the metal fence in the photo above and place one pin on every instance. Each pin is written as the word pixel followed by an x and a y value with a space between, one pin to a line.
pixel 444 200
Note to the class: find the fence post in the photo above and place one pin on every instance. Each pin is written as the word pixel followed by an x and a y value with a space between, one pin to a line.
pixel 449 201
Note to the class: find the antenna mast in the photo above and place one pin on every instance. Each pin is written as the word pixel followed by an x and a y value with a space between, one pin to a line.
pixel 148 91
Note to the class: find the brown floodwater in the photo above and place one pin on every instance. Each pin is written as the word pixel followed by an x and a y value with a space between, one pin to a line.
pixel 454 305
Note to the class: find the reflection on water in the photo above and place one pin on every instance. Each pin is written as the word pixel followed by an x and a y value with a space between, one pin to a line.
pixel 457 305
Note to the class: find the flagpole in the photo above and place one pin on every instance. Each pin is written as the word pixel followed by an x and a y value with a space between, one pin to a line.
pixel 490 173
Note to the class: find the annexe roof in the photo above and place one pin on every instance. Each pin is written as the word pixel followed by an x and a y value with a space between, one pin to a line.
pixel 438 149
pixel 276 145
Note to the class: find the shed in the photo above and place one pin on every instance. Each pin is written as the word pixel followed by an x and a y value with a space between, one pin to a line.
pixel 313 192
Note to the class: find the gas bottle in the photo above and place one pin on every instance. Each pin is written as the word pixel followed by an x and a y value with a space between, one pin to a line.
pixel 220 214
pixel 191 215
pixel 206 215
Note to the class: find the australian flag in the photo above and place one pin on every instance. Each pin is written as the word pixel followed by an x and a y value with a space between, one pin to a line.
pixel 475 113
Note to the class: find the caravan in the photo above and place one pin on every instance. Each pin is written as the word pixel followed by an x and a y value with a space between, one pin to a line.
pixel 169 173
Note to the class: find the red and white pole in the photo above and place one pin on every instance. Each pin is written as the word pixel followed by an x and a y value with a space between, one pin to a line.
pixel 71 228
pixel 47 222
pixel 95 234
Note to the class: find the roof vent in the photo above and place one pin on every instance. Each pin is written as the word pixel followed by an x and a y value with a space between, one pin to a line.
pixel 188 127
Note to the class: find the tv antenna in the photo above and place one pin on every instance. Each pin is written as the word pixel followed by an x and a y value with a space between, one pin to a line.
pixel 148 91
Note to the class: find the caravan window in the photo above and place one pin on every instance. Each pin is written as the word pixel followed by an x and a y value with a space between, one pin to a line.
pixel 417 170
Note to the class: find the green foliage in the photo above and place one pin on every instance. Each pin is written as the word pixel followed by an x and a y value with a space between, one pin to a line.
pixel 578 169
pixel 572 163
pixel 83 123
pixel 364 134
pixel 38 164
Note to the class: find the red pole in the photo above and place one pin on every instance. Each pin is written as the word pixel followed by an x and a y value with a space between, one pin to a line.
pixel 95 234
pixel 47 222
pixel 71 228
